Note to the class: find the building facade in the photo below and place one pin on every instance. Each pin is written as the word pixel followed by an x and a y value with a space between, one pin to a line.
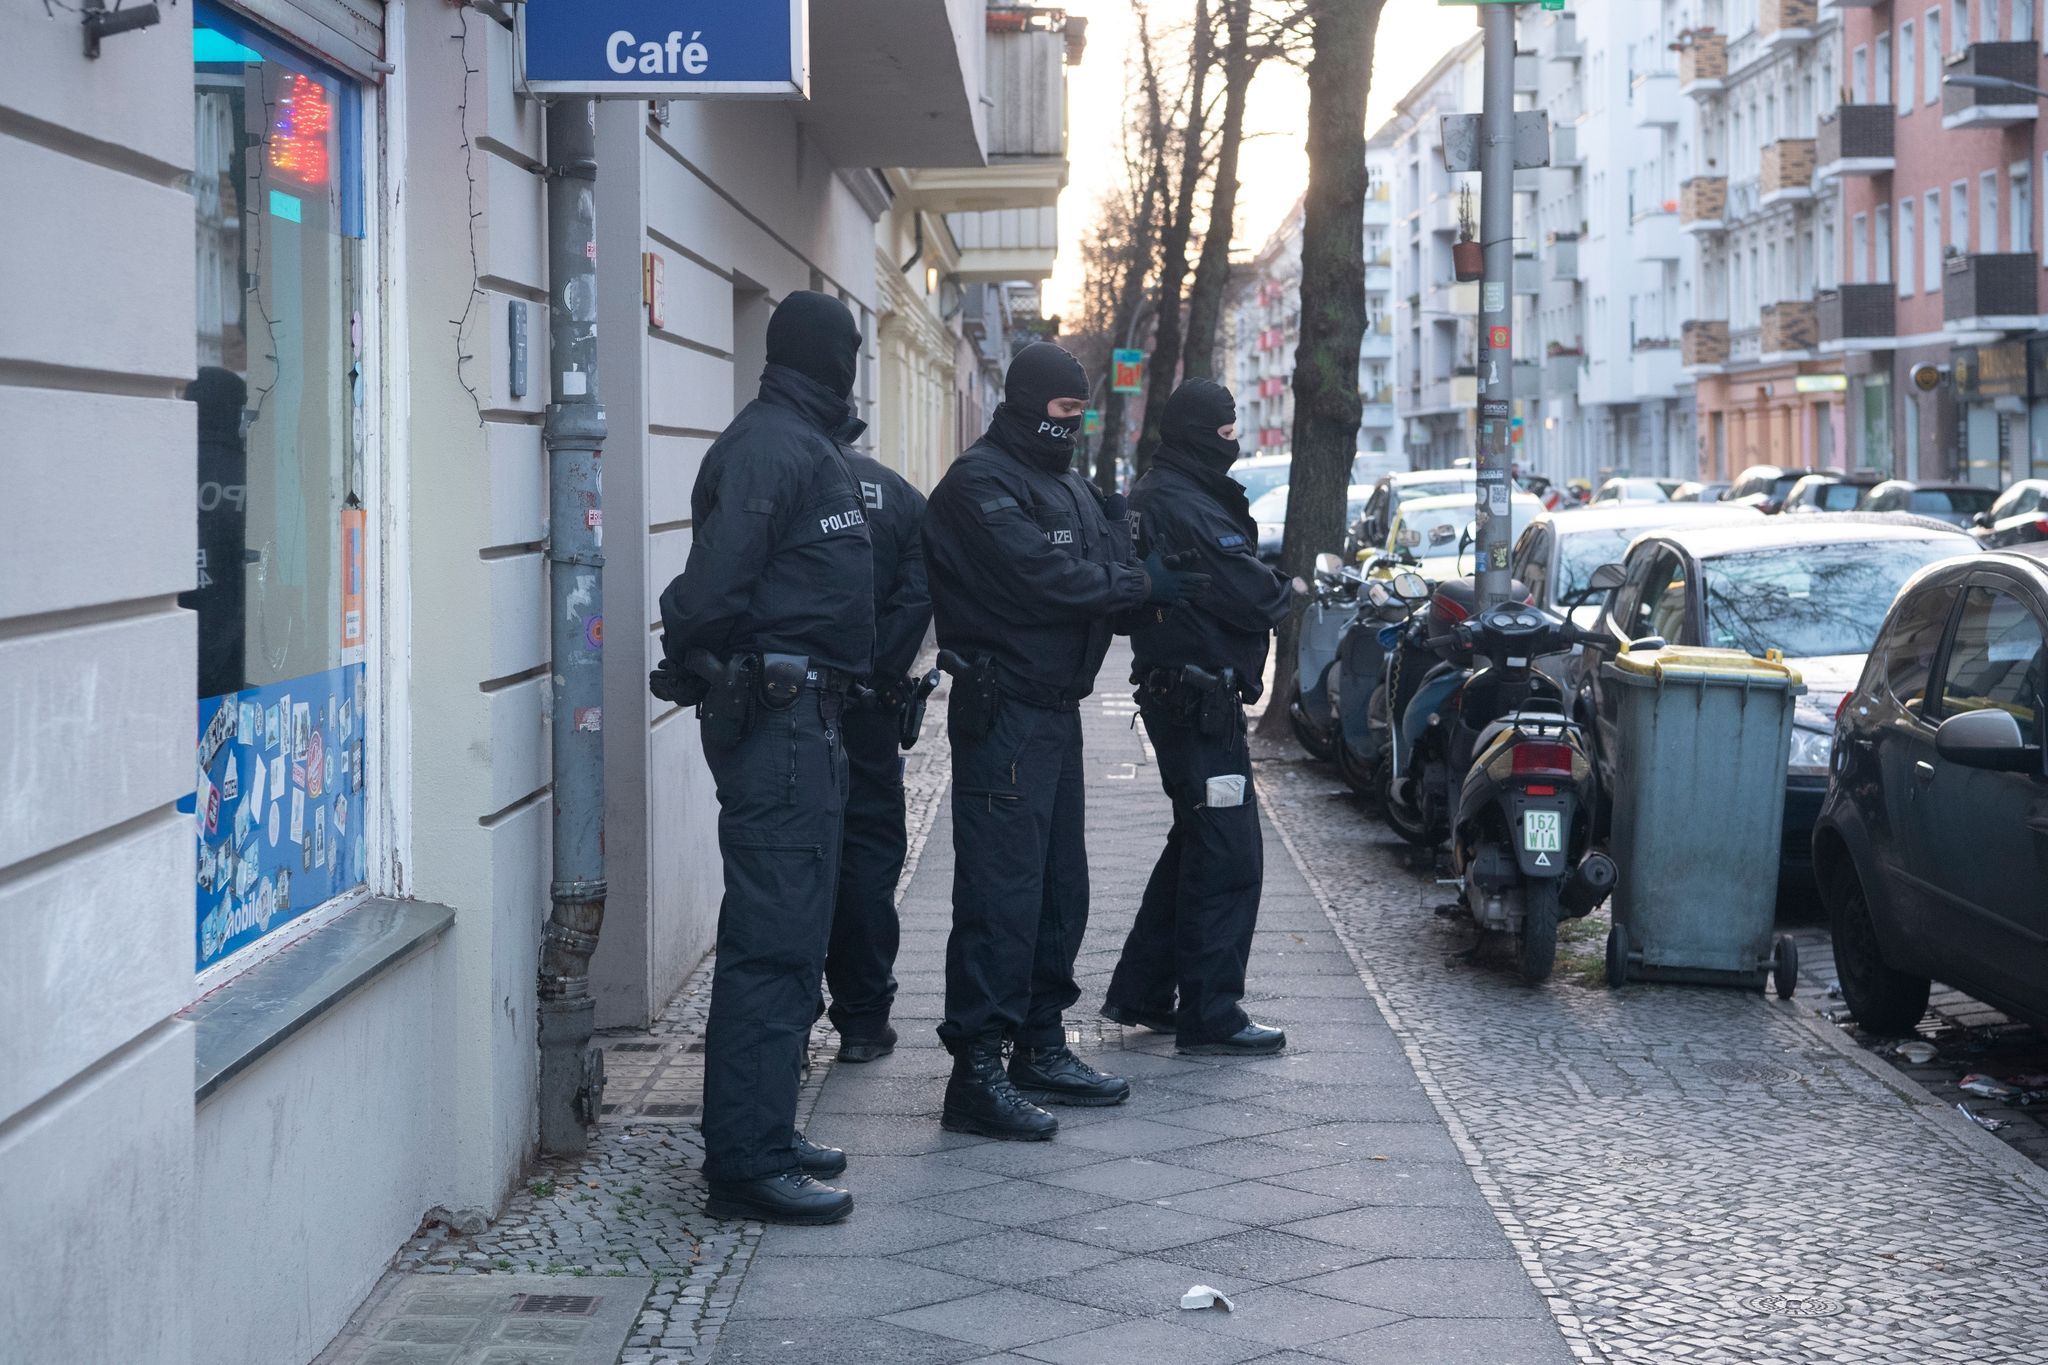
pixel 278 869
pixel 1940 265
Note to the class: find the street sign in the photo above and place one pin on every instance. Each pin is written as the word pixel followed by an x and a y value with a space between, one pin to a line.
pixel 635 49
pixel 1127 371
pixel 1461 141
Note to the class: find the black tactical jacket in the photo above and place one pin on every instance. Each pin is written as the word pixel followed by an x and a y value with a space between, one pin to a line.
pixel 1182 508
pixel 780 561
pixel 903 600
pixel 1025 567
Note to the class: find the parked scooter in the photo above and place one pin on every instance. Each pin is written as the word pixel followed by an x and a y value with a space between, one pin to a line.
pixel 1311 711
pixel 1523 827
pixel 1427 668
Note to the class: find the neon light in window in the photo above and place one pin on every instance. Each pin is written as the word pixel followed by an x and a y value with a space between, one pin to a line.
pixel 298 136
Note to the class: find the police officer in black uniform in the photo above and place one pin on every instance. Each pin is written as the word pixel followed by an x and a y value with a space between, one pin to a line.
pixel 1029 566
pixel 1195 667
pixel 769 624
pixel 881 721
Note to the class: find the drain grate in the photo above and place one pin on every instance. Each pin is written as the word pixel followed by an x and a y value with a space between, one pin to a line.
pixel 1785 1306
pixel 1753 1073
pixel 559 1305
pixel 634 1047
pixel 669 1111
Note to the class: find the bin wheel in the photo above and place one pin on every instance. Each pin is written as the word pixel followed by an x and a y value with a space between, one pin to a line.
pixel 1539 929
pixel 1785 967
pixel 1617 957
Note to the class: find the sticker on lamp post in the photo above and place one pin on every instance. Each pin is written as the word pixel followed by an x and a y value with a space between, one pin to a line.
pixel 1127 371
pixel 653 49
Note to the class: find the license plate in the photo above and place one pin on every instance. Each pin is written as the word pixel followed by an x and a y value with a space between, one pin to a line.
pixel 1543 831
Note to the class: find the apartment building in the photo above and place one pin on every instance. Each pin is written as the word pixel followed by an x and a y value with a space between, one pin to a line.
pixel 1940 266
pixel 1764 76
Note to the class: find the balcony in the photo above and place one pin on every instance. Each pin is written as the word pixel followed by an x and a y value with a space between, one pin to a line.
pixel 1791 331
pixel 1859 317
pixel 1561 374
pixel 1528 274
pixel 1655 368
pixel 862 112
pixel 1440 215
pixel 1565 43
pixel 1703 204
pixel 1703 65
pixel 1564 257
pixel 1991 293
pixel 1856 140
pixel 1786 23
pixel 1528 379
pixel 1827 5
pixel 1564 147
pixel 1377 414
pixel 1025 91
pixel 1654 235
pixel 1962 107
pixel 1006 244
pixel 1703 346
pixel 1528 69
pixel 1787 172
pixel 1654 100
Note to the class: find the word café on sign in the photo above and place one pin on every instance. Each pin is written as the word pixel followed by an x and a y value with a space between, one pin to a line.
pixel 657 49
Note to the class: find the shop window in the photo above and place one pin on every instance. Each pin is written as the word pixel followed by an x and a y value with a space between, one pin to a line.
pixel 281 599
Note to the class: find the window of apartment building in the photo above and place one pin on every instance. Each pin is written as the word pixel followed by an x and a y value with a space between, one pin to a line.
pixel 1958 24
pixel 278 195
pixel 1859 76
pixel 1908 49
pixel 2022 215
pixel 1931 243
pixel 1930 74
pixel 1859 249
pixel 1881 70
pixel 1987 20
pixel 1987 213
pixel 1959 218
pixel 2023 21
pixel 1909 261
pixel 1881 243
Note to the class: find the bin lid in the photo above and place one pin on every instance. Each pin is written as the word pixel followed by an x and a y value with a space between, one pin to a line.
pixel 1696 663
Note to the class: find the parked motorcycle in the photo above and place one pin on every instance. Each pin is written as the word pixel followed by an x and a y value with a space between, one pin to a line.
pixel 1523 826
pixel 1427 668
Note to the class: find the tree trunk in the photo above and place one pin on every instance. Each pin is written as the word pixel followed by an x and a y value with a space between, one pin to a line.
pixel 1130 305
pixel 1326 400
pixel 1212 270
pixel 1164 366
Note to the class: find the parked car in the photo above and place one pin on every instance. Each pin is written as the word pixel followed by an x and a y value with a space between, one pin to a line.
pixel 2019 517
pixel 1556 554
pixel 1270 512
pixel 1369 529
pixel 1833 492
pixel 1632 490
pixel 1429 534
pixel 1696 491
pixel 1259 475
pixel 1958 504
pixel 1814 588
pixel 1932 849
pixel 1765 486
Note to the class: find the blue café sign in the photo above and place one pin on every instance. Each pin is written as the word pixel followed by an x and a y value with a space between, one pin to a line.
pixel 668 49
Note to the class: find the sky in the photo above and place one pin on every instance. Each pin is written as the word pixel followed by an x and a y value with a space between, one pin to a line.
pixel 1274 165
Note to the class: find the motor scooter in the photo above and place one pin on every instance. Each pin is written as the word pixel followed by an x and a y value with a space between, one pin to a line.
pixel 1522 829
pixel 1311 711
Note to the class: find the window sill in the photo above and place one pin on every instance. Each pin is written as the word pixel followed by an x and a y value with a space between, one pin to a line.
pixel 252 1015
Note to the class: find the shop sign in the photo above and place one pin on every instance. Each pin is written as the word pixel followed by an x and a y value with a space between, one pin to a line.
pixel 1992 371
pixel 1820 383
pixel 654 49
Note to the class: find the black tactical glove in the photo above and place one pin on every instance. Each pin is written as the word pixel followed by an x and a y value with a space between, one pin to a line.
pixel 684 689
pixel 1169 583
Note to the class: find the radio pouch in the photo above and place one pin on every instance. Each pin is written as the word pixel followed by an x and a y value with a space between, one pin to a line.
pixel 782 678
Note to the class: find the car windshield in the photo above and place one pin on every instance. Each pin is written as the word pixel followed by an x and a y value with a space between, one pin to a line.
pixel 1813 600
pixel 1259 480
pixel 1837 497
pixel 1432 532
pixel 1435 488
pixel 1581 552
pixel 1271 506
pixel 1936 502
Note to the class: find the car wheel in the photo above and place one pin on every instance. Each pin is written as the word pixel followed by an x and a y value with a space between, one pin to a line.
pixel 1883 1000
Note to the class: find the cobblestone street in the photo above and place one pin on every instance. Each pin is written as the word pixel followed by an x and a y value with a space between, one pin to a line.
pixel 1446 1167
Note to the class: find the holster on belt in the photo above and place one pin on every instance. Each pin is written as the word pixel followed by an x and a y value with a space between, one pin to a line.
pixel 977 699
pixel 733 683
pixel 911 700
pixel 1195 697
pixel 782 678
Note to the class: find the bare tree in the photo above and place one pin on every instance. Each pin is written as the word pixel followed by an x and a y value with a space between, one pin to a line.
pixel 1212 270
pixel 1326 400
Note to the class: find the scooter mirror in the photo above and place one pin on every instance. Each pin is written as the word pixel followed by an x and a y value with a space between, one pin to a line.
pixel 1328 565
pixel 1412 587
pixel 1376 593
pixel 1607 578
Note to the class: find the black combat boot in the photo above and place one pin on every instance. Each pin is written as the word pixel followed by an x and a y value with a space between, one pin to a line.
pixel 789 1197
pixel 1055 1075
pixel 980 1099
pixel 1253 1040
pixel 817 1160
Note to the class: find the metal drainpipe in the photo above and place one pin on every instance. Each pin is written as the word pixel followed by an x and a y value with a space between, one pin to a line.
pixel 571 1071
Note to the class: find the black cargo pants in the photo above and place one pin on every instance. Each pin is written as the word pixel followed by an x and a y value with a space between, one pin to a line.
pixel 860 968
pixel 1020 877
pixel 781 802
pixel 1194 927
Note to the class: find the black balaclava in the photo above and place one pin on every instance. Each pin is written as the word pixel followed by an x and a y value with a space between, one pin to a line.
pixel 815 335
pixel 1194 412
pixel 1040 373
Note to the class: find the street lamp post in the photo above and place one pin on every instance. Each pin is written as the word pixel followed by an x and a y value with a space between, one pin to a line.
pixel 1999 83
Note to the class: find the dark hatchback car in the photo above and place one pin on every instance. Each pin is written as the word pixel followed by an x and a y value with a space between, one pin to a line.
pixel 1932 849
pixel 1958 504
pixel 2019 517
